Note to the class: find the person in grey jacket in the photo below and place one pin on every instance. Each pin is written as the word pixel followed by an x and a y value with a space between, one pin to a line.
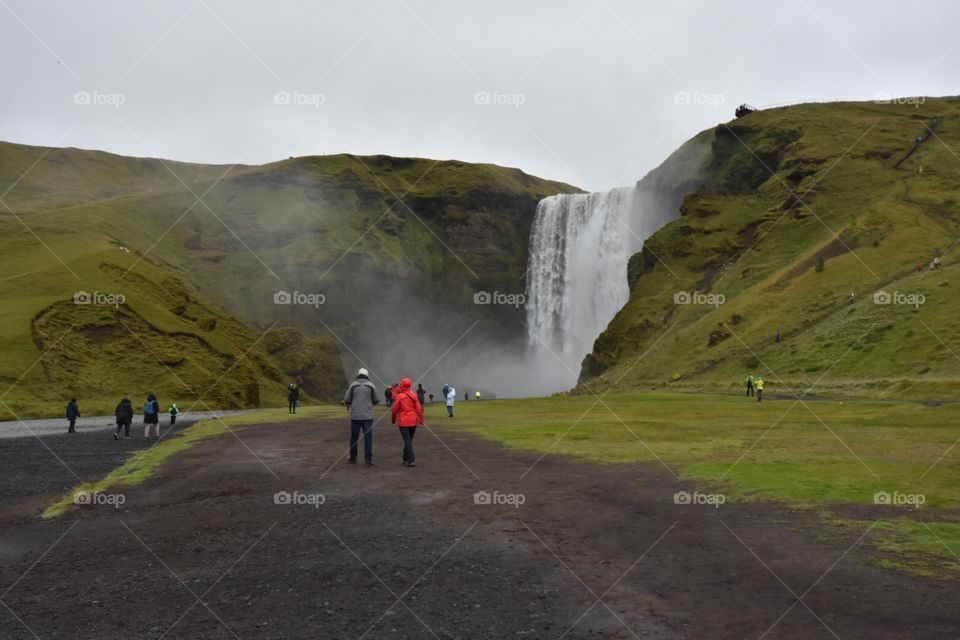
pixel 360 398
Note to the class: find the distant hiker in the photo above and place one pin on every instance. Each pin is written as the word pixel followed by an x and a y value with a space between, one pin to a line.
pixel 431 398
pixel 174 412
pixel 477 395
pixel 293 397
pixel 750 384
pixel 360 398
pixel 759 385
pixel 407 414
pixel 466 395
pixel 73 412
pixel 777 336
pixel 124 414
pixel 920 266
pixel 388 394
pixel 853 297
pixel 935 264
pixel 151 416
pixel 421 394
pixel 451 399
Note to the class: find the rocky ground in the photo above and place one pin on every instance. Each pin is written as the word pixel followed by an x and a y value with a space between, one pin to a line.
pixel 274 535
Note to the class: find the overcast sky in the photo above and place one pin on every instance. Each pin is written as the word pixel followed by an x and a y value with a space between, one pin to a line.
pixel 580 91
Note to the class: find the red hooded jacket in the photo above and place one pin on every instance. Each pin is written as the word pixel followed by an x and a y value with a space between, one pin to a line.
pixel 407 411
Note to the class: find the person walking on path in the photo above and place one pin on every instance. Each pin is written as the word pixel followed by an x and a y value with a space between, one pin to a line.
pixel 407 414
pixel 174 412
pixel 451 399
pixel 388 395
pixel 151 417
pixel 73 412
pixel 360 398
pixel 777 336
pixel 293 397
pixel 421 395
pixel 124 414
pixel 759 389
pixel 750 383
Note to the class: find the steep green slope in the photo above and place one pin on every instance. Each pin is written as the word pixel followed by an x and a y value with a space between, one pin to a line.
pixel 802 206
pixel 391 247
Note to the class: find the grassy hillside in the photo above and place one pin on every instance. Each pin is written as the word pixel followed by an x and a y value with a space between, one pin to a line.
pixel 200 251
pixel 802 206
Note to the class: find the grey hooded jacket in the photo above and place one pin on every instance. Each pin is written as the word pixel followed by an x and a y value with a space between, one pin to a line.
pixel 360 397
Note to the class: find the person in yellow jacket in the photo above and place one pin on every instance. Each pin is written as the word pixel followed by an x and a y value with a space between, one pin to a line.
pixel 759 385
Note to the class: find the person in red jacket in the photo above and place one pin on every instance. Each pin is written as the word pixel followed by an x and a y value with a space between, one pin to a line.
pixel 407 413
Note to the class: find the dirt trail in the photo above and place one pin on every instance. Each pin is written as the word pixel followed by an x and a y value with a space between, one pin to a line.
pixel 203 551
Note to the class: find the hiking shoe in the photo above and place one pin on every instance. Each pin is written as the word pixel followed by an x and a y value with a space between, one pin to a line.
pixel 116 437
pixel 369 463
pixel 411 464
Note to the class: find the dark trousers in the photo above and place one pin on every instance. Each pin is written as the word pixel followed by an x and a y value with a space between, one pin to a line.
pixel 450 410
pixel 126 428
pixel 173 419
pixel 749 389
pixel 355 428
pixel 293 407
pixel 759 395
pixel 407 433
pixel 72 423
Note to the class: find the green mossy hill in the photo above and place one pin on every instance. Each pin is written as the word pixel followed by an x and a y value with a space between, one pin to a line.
pixel 800 207
pixel 388 246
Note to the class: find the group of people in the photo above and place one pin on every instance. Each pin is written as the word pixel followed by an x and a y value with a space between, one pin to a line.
pixel 406 411
pixel 124 416
pixel 755 386
pixel 449 395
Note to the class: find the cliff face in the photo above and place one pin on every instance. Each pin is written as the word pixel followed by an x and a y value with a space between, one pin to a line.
pixel 366 258
pixel 799 207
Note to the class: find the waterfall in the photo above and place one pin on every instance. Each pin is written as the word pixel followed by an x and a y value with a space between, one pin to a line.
pixel 577 271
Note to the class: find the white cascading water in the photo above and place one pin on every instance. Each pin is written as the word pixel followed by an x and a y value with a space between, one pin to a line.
pixel 577 277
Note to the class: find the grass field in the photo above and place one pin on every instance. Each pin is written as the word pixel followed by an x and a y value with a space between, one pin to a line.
pixel 830 456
